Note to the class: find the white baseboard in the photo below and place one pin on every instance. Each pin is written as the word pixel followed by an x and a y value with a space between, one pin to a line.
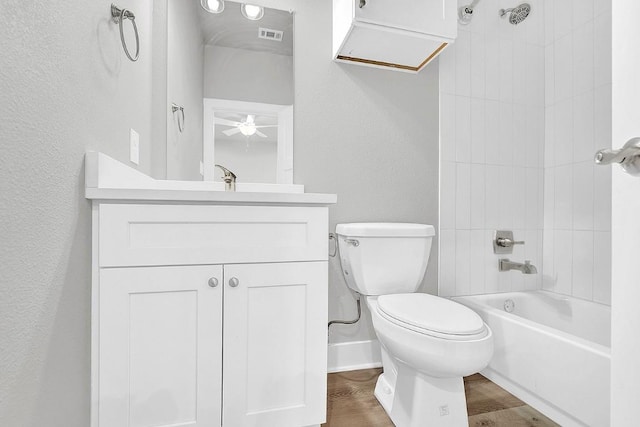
pixel 351 356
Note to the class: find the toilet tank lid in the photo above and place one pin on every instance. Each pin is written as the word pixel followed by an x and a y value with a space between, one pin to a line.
pixel 385 229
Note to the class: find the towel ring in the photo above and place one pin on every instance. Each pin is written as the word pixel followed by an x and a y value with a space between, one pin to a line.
pixel 175 107
pixel 119 15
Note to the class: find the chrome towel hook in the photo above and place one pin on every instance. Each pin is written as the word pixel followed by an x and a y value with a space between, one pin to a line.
pixel 175 107
pixel 119 15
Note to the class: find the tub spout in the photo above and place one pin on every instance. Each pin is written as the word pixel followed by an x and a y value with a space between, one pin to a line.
pixel 527 268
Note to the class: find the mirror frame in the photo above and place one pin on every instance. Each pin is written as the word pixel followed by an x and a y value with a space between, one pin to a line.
pixel 284 113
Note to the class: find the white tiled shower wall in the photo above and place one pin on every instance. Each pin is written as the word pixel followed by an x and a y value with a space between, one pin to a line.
pixel 492 145
pixel 577 193
pixel 521 110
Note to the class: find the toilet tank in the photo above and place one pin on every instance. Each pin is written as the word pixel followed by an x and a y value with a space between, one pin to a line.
pixel 384 258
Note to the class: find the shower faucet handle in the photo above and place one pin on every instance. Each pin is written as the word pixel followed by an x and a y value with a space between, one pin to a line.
pixel 503 242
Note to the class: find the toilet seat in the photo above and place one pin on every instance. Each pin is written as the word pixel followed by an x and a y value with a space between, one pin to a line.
pixel 431 315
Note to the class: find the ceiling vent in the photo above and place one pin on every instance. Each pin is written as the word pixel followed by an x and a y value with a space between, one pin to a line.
pixel 269 34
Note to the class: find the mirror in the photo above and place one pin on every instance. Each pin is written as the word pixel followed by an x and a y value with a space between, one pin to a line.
pixel 254 140
pixel 229 92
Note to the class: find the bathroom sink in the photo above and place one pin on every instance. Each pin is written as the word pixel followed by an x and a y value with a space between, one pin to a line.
pixel 103 171
pixel 241 187
pixel 108 179
pixel 257 187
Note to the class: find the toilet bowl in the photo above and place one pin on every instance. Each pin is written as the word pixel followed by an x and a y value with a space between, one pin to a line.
pixel 428 343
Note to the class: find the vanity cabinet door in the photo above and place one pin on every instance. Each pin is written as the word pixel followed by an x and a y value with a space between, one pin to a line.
pixel 275 344
pixel 160 346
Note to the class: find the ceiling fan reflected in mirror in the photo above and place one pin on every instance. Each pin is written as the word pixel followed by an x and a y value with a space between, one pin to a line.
pixel 247 127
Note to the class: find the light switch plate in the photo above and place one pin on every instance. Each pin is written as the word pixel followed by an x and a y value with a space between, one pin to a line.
pixel 134 146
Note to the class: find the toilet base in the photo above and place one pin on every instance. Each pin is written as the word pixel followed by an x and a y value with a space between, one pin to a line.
pixel 418 400
pixel 384 393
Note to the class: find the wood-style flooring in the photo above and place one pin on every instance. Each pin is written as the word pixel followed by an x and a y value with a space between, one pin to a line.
pixel 350 403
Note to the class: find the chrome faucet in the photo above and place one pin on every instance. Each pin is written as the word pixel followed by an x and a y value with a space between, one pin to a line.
pixel 527 268
pixel 229 178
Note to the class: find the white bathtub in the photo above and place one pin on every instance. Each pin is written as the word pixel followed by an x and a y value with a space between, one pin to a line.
pixel 551 351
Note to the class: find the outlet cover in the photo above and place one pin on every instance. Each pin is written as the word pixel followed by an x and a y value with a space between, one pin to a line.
pixel 134 146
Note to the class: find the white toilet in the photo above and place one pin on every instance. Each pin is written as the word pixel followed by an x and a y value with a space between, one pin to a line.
pixel 428 343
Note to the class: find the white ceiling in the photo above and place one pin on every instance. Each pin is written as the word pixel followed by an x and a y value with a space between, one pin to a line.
pixel 231 29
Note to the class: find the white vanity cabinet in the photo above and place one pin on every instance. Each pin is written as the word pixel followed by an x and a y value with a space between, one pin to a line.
pixel 274 344
pixel 209 314
pixel 159 352
pixel 403 35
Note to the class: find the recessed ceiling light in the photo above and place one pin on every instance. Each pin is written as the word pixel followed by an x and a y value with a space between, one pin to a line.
pixel 212 6
pixel 252 12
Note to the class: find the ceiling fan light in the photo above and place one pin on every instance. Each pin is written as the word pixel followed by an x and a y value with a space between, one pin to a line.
pixel 212 6
pixel 247 129
pixel 252 12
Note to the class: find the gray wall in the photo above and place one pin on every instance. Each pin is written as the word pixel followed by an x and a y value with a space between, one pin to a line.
pixel 370 136
pixel 159 108
pixel 185 80
pixel 65 87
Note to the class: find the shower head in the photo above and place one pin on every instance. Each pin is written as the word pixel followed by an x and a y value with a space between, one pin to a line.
pixel 517 14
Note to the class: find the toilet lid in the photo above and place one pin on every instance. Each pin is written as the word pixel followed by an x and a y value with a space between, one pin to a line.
pixel 431 314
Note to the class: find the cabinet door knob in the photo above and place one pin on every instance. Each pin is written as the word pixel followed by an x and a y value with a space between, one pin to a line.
pixel 213 282
pixel 234 282
pixel 363 3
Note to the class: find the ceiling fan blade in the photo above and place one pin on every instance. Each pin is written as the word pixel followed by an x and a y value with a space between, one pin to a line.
pixel 260 134
pixel 225 122
pixel 230 132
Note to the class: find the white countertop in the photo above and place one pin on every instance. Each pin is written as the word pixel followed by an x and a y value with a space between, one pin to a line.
pixel 109 180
